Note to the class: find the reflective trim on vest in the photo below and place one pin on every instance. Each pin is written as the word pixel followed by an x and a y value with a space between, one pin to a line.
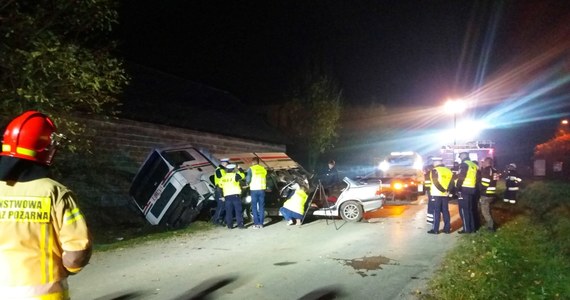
pixel 229 185
pixel 513 188
pixel 471 177
pixel 444 178
pixel 258 178
pixel 216 179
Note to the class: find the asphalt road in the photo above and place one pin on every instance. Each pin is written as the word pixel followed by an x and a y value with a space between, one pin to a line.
pixel 387 256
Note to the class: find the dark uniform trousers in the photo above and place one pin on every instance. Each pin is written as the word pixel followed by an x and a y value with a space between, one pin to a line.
pixel 466 209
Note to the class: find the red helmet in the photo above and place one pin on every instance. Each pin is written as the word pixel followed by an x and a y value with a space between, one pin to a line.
pixel 30 136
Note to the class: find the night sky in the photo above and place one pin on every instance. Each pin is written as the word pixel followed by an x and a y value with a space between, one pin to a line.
pixel 379 51
pixel 388 52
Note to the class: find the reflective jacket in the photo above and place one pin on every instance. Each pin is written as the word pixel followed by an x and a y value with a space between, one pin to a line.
pixel 257 178
pixel 470 179
pixel 230 184
pixel 219 173
pixel 489 177
pixel 512 180
pixel 444 176
pixel 297 202
pixel 43 239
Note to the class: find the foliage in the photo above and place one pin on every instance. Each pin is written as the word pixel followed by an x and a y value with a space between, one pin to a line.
pixel 314 112
pixel 557 147
pixel 55 57
pixel 545 197
pixel 527 258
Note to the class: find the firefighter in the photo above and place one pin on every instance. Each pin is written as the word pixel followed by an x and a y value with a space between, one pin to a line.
pixel 441 180
pixel 488 188
pixel 512 181
pixel 231 188
pixel 218 218
pixel 427 186
pixel 256 179
pixel 466 185
pixel 43 234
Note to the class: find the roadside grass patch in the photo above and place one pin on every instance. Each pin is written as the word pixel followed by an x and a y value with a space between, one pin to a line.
pixel 527 258
pixel 149 233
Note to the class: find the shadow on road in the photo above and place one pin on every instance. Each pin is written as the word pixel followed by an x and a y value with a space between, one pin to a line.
pixel 205 291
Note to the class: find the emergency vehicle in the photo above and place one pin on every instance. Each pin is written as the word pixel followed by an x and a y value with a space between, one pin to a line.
pixel 172 184
pixel 402 175
pixel 478 151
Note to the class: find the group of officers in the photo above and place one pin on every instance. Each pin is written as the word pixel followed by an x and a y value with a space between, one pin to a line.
pixel 472 185
pixel 230 180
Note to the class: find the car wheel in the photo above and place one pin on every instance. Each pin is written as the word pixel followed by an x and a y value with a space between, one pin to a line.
pixel 351 211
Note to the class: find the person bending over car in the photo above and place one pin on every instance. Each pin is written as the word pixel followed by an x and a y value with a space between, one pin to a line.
pixel 294 207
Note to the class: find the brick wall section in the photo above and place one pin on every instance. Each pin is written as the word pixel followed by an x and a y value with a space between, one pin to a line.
pixel 136 139
pixel 129 142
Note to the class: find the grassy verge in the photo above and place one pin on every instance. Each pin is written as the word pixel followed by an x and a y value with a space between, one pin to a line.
pixel 105 241
pixel 527 258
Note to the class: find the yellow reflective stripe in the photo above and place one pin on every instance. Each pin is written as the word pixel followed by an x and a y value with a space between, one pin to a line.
pixel 51 262
pixel 6 148
pixel 72 216
pixel 25 151
pixel 44 252
pixel 55 296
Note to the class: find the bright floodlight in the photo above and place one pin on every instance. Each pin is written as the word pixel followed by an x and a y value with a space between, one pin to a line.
pixel 454 106
pixel 564 122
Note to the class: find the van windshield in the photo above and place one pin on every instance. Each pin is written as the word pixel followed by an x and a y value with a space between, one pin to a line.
pixel 401 160
pixel 147 179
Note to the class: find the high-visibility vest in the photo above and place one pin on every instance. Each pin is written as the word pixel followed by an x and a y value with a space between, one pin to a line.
pixel 217 179
pixel 471 177
pixel 258 178
pixel 489 180
pixel 229 184
pixel 444 176
pixel 297 202
pixel 43 238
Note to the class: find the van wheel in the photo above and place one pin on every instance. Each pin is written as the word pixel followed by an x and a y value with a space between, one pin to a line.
pixel 351 211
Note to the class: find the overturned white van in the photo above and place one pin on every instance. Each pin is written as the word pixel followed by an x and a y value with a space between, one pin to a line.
pixel 172 184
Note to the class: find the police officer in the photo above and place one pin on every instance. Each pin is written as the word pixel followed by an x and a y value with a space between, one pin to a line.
pixel 220 205
pixel 231 188
pixel 466 185
pixel 488 188
pixel 512 181
pixel 43 234
pixel 441 180
pixel 427 186
pixel 256 179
